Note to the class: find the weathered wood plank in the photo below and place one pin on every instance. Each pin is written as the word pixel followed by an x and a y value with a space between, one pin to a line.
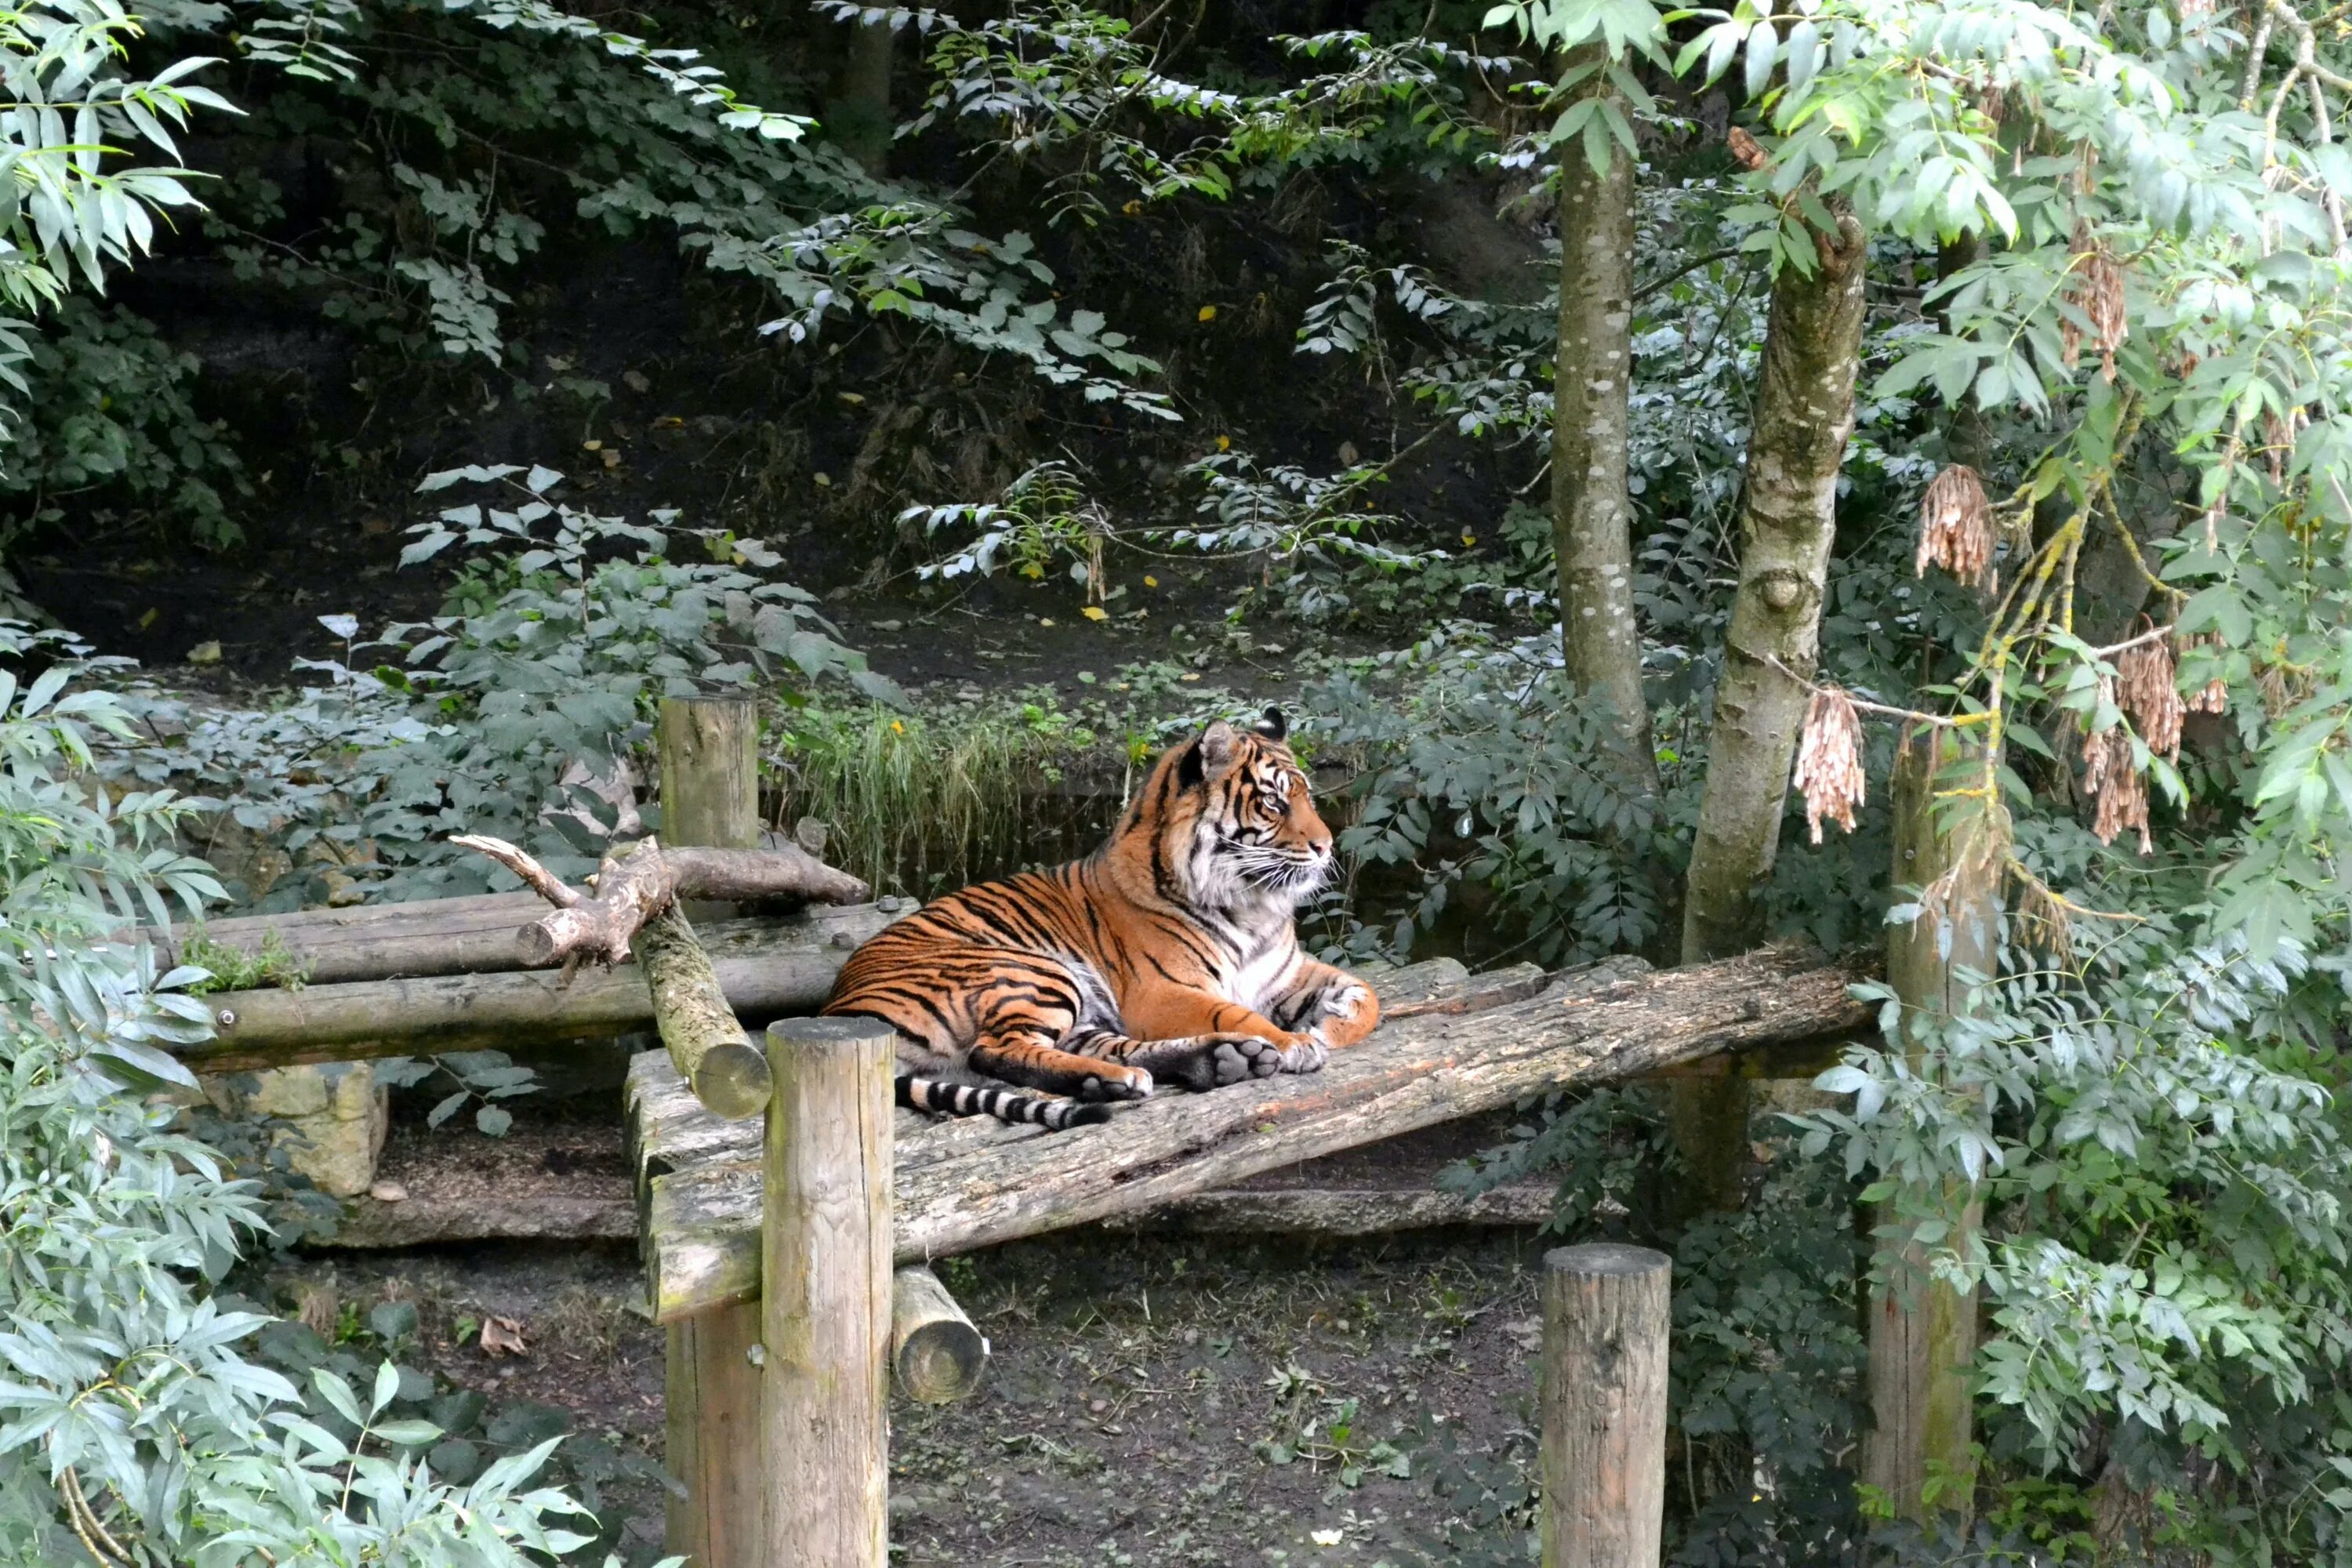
pixel 1606 1313
pixel 826 1296
pixel 669 1130
pixel 701 1222
pixel 768 968
pixel 1335 1212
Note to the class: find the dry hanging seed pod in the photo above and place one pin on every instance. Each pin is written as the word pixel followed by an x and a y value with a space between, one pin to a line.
pixel 1828 759
pixel 2150 686
pixel 1956 528
pixel 2095 289
pixel 2213 697
pixel 2123 793
pixel 1746 150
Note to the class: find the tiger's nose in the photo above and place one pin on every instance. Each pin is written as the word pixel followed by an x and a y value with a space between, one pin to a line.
pixel 1320 843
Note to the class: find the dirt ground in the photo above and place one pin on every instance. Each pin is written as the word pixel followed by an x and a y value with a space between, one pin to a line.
pixel 1150 1401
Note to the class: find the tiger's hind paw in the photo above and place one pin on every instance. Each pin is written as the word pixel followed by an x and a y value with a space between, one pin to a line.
pixel 1212 1061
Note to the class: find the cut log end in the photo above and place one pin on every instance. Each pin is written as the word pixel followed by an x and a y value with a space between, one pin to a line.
pixel 938 1354
pixel 732 1080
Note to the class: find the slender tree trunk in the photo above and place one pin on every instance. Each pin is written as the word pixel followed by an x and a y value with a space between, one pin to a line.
pixel 1922 1334
pixel 1805 412
pixel 1591 508
pixel 858 116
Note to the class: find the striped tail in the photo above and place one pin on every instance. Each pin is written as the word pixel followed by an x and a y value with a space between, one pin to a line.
pixel 963 1099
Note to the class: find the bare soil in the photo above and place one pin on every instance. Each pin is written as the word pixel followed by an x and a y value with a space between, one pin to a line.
pixel 1152 1401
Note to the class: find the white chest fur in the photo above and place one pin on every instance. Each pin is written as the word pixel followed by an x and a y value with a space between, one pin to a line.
pixel 1265 975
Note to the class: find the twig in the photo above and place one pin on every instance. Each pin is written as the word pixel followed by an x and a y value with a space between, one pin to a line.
pixel 1773 661
pixel 1654 284
pixel 542 881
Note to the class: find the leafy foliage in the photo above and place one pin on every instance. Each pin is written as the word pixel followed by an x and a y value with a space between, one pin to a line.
pixel 504 714
pixel 133 1416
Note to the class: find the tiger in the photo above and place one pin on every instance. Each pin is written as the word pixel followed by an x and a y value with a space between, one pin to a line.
pixel 1169 954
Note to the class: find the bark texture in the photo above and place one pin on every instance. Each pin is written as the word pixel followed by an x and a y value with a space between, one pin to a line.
pixel 1922 1334
pixel 1804 413
pixel 1605 1321
pixel 729 1074
pixel 826 1296
pixel 973 1184
pixel 1592 506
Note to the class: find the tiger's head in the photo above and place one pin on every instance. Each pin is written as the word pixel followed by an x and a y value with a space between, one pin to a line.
pixel 1228 818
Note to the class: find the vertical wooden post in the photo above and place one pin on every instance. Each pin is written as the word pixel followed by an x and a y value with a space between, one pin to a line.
pixel 709 796
pixel 709 771
pixel 824 1293
pixel 1922 1334
pixel 1605 1323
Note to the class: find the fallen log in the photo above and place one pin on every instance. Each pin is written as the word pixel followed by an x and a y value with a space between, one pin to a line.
pixel 701 1225
pixel 640 880
pixel 766 968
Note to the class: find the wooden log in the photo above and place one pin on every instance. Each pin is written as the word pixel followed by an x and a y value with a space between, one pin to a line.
pixel 639 880
pixel 716 1515
pixel 1336 1213
pixel 709 788
pixel 712 1053
pixel 598 1214
pixel 1922 1334
pixel 1604 1394
pixel 371 941
pixel 702 1222
pixel 423 1220
pixel 939 1355
pixel 709 770
pixel 767 968
pixel 666 1129
pixel 825 1295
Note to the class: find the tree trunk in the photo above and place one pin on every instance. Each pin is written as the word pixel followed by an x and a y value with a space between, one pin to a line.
pixel 1922 1334
pixel 1592 507
pixel 1805 412
pixel 859 113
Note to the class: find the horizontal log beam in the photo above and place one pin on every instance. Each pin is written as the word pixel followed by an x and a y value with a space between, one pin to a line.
pixel 767 968
pixel 701 1225
pixel 1335 1213
pixel 472 935
pixel 666 1128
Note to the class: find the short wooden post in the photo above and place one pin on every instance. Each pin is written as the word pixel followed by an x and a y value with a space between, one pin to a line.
pixel 1922 1334
pixel 939 1355
pixel 824 1294
pixel 709 796
pixel 1604 1405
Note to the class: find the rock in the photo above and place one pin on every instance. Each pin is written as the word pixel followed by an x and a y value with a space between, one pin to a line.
pixel 388 1193
pixel 335 1117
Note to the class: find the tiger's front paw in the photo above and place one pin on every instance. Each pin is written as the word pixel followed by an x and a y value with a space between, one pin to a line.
pixel 1308 1055
pixel 1112 1082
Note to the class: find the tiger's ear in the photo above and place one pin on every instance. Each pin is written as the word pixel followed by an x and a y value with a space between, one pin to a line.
pixel 1273 725
pixel 1207 757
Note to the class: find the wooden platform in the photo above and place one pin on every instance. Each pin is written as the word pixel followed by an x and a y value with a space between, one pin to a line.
pixel 1452 1045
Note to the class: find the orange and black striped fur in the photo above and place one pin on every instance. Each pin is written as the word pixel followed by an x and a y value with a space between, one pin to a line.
pixel 1166 955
